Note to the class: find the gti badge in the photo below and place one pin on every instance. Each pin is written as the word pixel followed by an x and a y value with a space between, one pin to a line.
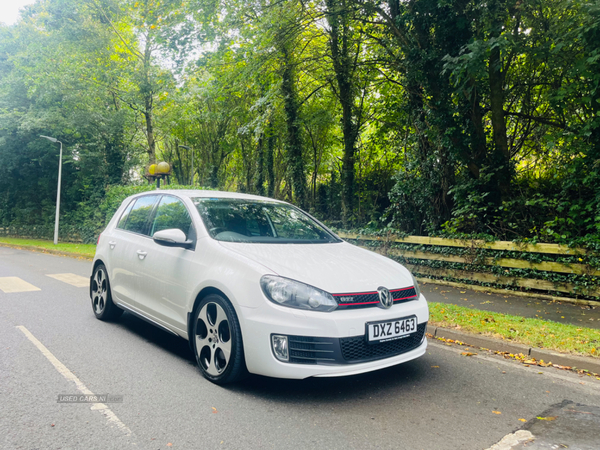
pixel 385 298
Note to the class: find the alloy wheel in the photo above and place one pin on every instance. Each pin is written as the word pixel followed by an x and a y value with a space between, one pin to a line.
pixel 99 290
pixel 213 339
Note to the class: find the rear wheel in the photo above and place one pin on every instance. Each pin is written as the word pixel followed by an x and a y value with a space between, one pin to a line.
pixel 217 341
pixel 102 303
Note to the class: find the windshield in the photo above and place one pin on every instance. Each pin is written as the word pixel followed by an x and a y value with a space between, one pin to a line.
pixel 238 220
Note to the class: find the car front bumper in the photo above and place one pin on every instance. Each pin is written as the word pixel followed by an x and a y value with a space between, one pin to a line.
pixel 316 332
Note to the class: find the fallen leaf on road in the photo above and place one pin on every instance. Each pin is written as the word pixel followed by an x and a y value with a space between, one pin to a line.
pixel 496 412
pixel 169 445
pixel 52 425
pixel 468 354
pixel 522 420
pixel 214 410
pixel 547 418
pixel 435 367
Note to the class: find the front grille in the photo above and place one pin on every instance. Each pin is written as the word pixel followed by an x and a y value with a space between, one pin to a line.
pixel 311 350
pixel 319 350
pixel 356 349
pixel 370 299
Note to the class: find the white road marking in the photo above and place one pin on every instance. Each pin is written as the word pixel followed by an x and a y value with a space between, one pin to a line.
pixel 10 285
pixel 70 278
pixel 513 439
pixel 62 369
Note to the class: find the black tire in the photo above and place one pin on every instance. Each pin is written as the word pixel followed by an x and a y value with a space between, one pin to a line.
pixel 216 331
pixel 102 304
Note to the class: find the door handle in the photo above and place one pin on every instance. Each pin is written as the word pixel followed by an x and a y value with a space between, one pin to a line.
pixel 112 244
pixel 141 254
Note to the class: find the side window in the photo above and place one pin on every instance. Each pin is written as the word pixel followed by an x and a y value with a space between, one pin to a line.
pixel 137 219
pixel 125 215
pixel 171 213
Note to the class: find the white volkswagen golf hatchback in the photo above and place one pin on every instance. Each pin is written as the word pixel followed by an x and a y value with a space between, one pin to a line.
pixel 256 285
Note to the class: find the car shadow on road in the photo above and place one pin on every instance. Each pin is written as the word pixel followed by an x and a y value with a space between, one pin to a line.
pixel 396 379
pixel 150 333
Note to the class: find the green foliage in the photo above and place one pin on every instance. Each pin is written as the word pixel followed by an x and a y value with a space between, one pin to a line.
pixel 423 117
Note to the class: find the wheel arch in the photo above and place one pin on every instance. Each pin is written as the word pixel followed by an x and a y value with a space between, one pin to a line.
pixel 96 264
pixel 203 293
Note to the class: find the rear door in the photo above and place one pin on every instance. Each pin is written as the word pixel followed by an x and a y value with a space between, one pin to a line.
pixel 128 246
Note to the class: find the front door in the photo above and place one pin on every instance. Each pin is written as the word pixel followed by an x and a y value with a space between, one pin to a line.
pixel 165 286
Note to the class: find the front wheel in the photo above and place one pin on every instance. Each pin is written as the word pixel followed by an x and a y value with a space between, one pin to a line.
pixel 217 341
pixel 102 303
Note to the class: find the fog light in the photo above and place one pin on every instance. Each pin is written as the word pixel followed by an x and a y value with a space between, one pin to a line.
pixel 280 347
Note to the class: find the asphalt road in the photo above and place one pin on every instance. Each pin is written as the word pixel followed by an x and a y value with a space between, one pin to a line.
pixel 441 401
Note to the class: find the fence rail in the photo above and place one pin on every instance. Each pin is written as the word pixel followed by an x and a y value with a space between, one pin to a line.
pixel 556 249
pixel 478 259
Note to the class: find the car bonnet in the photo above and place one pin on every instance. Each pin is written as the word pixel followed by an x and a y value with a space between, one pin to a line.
pixel 335 268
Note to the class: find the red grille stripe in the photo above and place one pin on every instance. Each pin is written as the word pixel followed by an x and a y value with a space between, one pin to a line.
pixel 354 294
pixel 373 303
pixel 403 289
pixel 351 294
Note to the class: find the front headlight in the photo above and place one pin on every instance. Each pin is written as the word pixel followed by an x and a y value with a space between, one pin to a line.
pixel 417 289
pixel 294 294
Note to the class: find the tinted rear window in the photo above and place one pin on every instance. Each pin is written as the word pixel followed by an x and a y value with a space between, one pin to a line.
pixel 137 219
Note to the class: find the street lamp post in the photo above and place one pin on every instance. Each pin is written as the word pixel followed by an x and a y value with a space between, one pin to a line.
pixel 192 177
pixel 51 139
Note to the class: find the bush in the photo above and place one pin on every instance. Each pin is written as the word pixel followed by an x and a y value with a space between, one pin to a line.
pixel 85 223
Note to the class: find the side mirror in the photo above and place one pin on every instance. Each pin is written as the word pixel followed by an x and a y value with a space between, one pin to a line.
pixel 172 237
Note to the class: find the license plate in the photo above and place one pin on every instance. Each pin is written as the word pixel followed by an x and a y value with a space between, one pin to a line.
pixel 390 330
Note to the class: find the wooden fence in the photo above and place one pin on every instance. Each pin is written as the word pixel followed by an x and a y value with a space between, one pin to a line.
pixel 415 253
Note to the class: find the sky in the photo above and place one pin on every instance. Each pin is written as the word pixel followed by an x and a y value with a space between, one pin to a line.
pixel 9 10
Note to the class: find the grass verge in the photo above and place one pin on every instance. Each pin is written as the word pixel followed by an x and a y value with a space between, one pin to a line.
pixel 87 250
pixel 533 332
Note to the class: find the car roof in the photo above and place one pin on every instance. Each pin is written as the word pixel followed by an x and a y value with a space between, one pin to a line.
pixel 199 193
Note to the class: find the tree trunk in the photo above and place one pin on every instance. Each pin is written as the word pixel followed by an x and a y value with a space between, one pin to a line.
pixel 501 159
pixel 148 94
pixel 294 139
pixel 269 161
pixel 150 129
pixel 259 182
pixel 339 43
